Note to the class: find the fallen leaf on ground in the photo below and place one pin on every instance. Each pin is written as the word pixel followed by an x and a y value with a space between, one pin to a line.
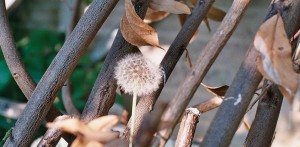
pixel 171 6
pixel 135 30
pixel 274 61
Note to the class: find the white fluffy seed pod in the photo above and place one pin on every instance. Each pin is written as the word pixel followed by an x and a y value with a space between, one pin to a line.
pixel 135 68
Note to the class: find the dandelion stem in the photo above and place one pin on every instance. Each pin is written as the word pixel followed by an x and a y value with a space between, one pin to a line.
pixel 133 112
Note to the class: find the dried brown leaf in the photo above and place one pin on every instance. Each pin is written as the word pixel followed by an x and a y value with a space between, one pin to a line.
pixel 275 61
pixel 207 24
pixel 215 14
pixel 154 16
pixel 171 6
pixel 135 30
pixel 188 59
pixel 209 104
pixel 92 134
pixel 247 126
pixel 218 91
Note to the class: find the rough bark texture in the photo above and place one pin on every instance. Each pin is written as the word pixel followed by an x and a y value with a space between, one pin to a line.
pixel 206 58
pixel 263 127
pixel 150 125
pixel 66 89
pixel 103 94
pixel 187 128
pixel 171 58
pixel 228 117
pixel 52 136
pixel 59 70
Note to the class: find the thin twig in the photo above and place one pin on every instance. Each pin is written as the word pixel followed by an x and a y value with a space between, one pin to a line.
pixel 66 89
pixel 206 58
pixel 259 97
pixel 245 84
pixel 58 72
pixel 172 56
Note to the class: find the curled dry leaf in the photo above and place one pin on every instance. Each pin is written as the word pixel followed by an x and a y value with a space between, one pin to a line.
pixel 135 30
pixel 274 61
pixel 216 14
pixel 154 16
pixel 209 104
pixel 218 91
pixel 171 6
pixel 93 134
pixel 188 59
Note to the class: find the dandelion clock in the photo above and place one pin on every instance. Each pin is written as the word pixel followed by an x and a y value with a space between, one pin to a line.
pixel 138 76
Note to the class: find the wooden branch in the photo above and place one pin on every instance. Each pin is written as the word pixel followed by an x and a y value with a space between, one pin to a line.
pixel 66 89
pixel 187 127
pixel 264 125
pixel 171 58
pixel 206 58
pixel 52 136
pixel 58 72
pixel 229 116
pixel 103 94
pixel 150 125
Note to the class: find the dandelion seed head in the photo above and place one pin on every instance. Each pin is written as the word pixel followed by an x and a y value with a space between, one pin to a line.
pixel 136 68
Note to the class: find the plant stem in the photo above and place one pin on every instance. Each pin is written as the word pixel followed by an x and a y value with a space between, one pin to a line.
pixel 133 112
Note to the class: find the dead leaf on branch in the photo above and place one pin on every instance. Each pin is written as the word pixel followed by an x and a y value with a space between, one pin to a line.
pixel 96 133
pixel 274 61
pixel 154 16
pixel 215 14
pixel 171 6
pixel 135 30
pixel 218 91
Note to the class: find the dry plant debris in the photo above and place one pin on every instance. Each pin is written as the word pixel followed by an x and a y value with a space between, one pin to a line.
pixel 274 61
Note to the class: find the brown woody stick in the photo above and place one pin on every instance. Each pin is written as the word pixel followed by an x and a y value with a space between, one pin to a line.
pixel 228 116
pixel 267 113
pixel 187 127
pixel 59 70
pixel 52 136
pixel 103 94
pixel 150 125
pixel 206 58
pixel 66 89
pixel 171 58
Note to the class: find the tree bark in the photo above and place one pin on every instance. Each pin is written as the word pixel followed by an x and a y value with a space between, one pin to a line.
pixel 263 127
pixel 228 117
pixel 58 72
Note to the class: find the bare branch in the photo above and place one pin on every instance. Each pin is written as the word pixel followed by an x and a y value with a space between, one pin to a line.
pixel 219 134
pixel 266 117
pixel 206 58
pixel 66 89
pixel 150 125
pixel 171 58
pixel 52 136
pixel 209 104
pixel 58 72
pixel 103 94
pixel 187 127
